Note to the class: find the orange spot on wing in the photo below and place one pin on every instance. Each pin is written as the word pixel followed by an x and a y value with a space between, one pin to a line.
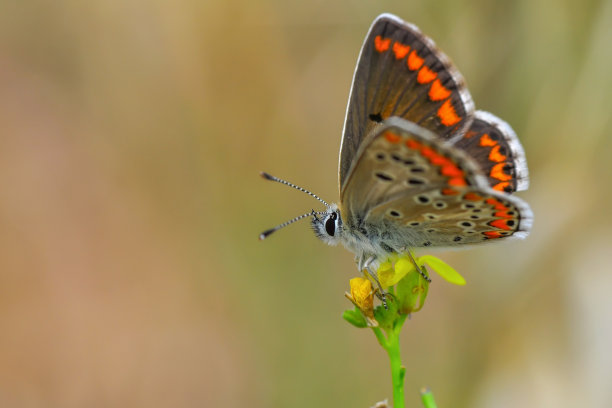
pixel 440 160
pixel 400 50
pixel 501 224
pixel 451 170
pixel 392 137
pixel 493 234
pixel 497 172
pixel 447 114
pixel 501 186
pixel 438 92
pixel 414 61
pixel 426 75
pixel 448 168
pixel 413 144
pixel 469 134
pixel 495 155
pixel 457 181
pixel 428 152
pixel 472 197
pixel 502 214
pixel 498 205
pixel 381 44
pixel 449 191
pixel 485 140
pixel 434 157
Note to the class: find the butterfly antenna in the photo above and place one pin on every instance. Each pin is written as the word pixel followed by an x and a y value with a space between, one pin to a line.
pixel 266 233
pixel 270 177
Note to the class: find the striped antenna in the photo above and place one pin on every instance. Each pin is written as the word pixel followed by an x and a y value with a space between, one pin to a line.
pixel 272 178
pixel 267 233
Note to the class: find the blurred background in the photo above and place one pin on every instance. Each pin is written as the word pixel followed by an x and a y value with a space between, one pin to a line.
pixel 131 137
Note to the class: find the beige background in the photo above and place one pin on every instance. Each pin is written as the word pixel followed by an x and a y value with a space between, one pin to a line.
pixel 131 137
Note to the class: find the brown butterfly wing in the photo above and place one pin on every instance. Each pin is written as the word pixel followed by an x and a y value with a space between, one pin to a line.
pixel 494 145
pixel 422 191
pixel 470 216
pixel 400 72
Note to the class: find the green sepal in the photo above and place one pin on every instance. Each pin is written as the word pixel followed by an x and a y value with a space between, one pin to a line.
pixel 443 269
pixel 411 292
pixel 355 317
pixel 386 317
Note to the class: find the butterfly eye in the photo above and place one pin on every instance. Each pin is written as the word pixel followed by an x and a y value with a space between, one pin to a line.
pixel 330 225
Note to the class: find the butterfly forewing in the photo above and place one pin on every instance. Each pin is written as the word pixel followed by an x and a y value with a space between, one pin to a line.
pixel 401 73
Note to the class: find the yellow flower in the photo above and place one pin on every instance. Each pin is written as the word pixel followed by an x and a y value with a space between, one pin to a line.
pixel 410 286
pixel 397 266
pixel 406 285
pixel 362 296
pixel 390 273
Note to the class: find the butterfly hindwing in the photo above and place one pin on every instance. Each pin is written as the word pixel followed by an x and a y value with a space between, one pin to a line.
pixel 423 191
pixel 471 216
pixel 494 145
pixel 400 157
pixel 401 73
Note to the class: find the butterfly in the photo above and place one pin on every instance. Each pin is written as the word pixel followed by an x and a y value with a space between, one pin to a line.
pixel 418 166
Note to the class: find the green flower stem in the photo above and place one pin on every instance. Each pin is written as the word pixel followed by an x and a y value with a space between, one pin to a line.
pixel 428 399
pixel 392 345
pixel 397 371
pixel 407 289
pixel 380 337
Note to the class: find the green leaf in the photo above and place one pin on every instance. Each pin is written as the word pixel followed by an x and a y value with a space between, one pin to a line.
pixel 355 317
pixel 443 269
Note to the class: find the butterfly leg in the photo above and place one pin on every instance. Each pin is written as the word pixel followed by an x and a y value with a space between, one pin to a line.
pixel 421 270
pixel 372 275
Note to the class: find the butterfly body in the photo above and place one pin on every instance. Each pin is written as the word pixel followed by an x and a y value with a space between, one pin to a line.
pixel 418 166
pixel 363 239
